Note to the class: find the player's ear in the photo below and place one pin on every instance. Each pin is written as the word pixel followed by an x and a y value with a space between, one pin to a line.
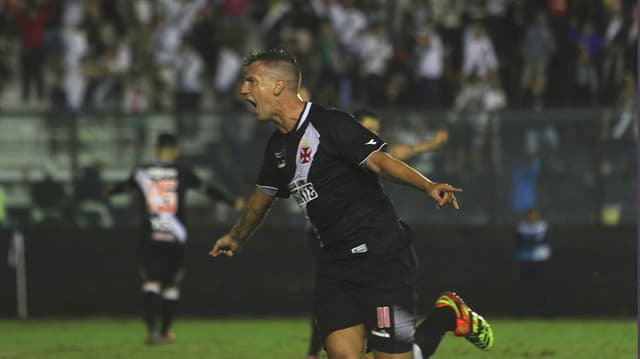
pixel 278 87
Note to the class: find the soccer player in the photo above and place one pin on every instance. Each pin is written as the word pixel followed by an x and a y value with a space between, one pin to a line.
pixel 403 152
pixel 162 185
pixel 330 165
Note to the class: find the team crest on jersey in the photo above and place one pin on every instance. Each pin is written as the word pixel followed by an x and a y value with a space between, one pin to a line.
pixel 305 155
pixel 305 151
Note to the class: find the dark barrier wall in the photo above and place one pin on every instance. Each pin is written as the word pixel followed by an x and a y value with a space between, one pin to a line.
pixel 93 272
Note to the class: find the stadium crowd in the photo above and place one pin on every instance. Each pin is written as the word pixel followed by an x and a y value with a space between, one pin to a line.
pixel 145 55
pixel 463 58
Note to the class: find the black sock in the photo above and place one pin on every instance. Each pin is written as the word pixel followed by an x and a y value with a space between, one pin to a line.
pixel 430 332
pixel 168 313
pixel 150 301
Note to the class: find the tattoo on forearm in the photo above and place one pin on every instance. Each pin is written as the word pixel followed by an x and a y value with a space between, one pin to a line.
pixel 247 224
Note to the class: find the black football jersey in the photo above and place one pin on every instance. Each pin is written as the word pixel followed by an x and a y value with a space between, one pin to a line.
pixel 321 164
pixel 162 187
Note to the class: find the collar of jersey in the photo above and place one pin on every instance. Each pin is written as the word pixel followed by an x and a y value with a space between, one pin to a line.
pixel 303 116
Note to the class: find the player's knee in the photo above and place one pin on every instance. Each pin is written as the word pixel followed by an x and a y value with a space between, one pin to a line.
pixel 343 352
pixel 151 287
pixel 171 293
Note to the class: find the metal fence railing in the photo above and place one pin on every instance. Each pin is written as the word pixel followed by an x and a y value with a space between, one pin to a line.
pixel 575 165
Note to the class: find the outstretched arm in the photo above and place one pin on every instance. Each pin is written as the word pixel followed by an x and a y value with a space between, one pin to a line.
pixel 404 152
pixel 255 211
pixel 118 187
pixel 217 194
pixel 394 170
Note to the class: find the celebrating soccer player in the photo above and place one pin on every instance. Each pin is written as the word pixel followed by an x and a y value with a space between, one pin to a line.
pixel 330 165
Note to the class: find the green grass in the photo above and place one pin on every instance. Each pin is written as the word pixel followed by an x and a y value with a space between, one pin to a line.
pixel 287 338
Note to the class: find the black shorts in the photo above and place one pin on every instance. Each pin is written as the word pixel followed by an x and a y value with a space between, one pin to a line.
pixel 162 262
pixel 377 291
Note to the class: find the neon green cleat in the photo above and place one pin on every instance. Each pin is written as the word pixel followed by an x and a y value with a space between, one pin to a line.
pixel 469 324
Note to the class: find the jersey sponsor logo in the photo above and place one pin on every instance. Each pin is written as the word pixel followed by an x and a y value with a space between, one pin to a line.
pixel 371 142
pixel 161 229
pixel 156 173
pixel 167 227
pixel 384 318
pixel 302 192
pixel 305 155
pixel 360 249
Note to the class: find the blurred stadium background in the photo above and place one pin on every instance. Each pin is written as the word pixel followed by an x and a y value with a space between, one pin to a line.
pixel 538 96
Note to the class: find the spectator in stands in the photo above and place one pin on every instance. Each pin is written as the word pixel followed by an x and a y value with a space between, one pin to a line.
pixel 32 17
pixel 479 55
pixel 115 66
pixel 532 254
pixel 496 22
pixel 537 47
pixel 176 22
pixel 449 17
pixel 189 68
pixel 228 68
pixel 204 39
pixel 589 44
pixel 477 105
pixel 347 21
pixel 430 66
pixel 75 80
pixel 374 54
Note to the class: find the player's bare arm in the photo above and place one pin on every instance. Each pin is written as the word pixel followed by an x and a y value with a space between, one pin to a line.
pixel 256 209
pixel 404 152
pixel 389 168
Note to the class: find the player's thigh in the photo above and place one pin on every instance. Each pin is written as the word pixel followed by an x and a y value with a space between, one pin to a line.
pixel 335 306
pixel 389 311
pixel 379 355
pixel 346 343
pixel 151 264
pixel 162 263
pixel 174 268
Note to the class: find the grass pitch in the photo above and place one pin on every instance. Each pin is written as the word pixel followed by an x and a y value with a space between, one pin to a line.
pixel 288 338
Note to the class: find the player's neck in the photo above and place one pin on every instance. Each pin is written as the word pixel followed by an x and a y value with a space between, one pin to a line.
pixel 287 117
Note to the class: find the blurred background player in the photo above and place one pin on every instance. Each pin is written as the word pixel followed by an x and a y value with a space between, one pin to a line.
pixel 403 152
pixel 162 185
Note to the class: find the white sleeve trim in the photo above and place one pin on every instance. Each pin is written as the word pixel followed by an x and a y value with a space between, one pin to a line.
pixel 362 163
pixel 271 191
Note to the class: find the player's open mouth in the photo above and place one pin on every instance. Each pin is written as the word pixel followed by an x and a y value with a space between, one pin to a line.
pixel 253 104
